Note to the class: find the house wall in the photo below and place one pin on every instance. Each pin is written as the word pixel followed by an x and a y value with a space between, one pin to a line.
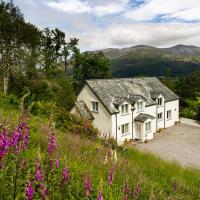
pixel 127 118
pixel 122 119
pixel 102 119
pixel 149 135
pixel 174 107
pixel 160 109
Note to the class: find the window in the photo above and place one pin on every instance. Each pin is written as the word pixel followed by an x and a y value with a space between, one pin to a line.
pixel 160 116
pixel 148 126
pixel 160 101
pixel 140 106
pixel 169 114
pixel 124 128
pixel 125 109
pixel 95 106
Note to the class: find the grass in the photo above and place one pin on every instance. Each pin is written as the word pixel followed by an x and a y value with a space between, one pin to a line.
pixel 157 179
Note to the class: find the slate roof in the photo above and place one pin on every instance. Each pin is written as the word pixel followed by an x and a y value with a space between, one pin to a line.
pixel 143 117
pixel 83 110
pixel 107 90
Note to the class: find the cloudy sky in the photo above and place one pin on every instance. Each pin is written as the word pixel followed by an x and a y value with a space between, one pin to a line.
pixel 103 24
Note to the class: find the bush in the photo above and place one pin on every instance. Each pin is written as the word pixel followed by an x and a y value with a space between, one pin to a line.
pixel 75 125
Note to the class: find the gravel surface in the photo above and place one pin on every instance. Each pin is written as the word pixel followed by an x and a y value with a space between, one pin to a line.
pixel 179 143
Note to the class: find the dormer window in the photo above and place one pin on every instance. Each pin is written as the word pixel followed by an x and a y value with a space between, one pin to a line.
pixel 140 106
pixel 160 101
pixel 124 109
pixel 95 106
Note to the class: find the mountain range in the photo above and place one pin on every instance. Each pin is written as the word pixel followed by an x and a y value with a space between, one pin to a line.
pixel 177 61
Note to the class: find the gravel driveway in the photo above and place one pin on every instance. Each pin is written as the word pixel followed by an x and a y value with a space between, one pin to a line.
pixel 180 143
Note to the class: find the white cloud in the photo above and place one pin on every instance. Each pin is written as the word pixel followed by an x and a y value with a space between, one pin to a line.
pixel 180 9
pixel 78 6
pixel 160 35
pixel 71 6
pixel 111 8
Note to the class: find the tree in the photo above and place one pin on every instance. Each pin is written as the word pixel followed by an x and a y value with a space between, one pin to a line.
pixel 89 66
pixel 16 37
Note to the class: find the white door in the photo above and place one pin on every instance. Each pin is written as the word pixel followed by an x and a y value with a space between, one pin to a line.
pixel 138 130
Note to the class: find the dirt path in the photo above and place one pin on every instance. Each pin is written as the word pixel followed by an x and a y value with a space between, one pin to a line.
pixel 180 143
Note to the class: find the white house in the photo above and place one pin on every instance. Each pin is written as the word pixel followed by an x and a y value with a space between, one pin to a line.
pixel 128 108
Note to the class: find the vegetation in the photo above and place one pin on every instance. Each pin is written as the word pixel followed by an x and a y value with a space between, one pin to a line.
pixel 188 89
pixel 40 162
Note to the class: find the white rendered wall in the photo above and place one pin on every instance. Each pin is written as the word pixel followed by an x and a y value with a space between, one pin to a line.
pixel 102 119
pixel 174 107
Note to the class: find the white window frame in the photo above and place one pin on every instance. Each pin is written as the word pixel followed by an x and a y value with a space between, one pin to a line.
pixel 124 128
pixel 140 106
pixel 125 109
pixel 160 101
pixel 169 114
pixel 95 106
pixel 148 127
pixel 160 116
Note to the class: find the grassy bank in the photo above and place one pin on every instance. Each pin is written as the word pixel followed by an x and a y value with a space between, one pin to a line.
pixel 92 168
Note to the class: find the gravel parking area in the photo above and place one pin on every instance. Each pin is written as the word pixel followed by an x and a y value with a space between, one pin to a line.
pixel 180 143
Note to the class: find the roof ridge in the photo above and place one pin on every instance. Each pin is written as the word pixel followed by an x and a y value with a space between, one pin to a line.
pixel 126 78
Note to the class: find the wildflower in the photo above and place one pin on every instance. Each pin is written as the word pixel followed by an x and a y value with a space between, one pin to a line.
pixel 3 146
pixel 111 175
pixel 126 191
pixel 51 145
pixel 58 156
pixel 38 173
pixel 29 191
pixel 26 137
pixel 100 197
pixel 43 191
pixel 65 175
pixel 137 191
pixel 87 186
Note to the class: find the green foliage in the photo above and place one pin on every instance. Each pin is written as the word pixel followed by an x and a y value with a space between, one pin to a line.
pixel 75 125
pixel 89 66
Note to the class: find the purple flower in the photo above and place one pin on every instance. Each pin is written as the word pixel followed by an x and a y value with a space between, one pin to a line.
pixel 25 138
pixel 100 197
pixel 65 175
pixel 3 146
pixel 29 191
pixel 126 191
pixel 43 191
pixel 58 156
pixel 87 186
pixel 137 191
pixel 38 173
pixel 51 145
pixel 111 175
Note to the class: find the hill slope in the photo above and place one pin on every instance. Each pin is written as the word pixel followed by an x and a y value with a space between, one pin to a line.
pixel 179 60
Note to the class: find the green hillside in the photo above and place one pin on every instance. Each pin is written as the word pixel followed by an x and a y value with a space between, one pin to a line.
pixel 63 164
pixel 150 61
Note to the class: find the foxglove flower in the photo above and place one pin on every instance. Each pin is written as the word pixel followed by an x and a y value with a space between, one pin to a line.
pixel 29 191
pixel 3 146
pixel 65 175
pixel 137 191
pixel 111 175
pixel 58 156
pixel 51 145
pixel 87 186
pixel 100 197
pixel 43 191
pixel 126 191
pixel 38 173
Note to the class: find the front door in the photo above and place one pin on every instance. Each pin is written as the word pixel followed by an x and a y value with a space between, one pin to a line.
pixel 138 130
